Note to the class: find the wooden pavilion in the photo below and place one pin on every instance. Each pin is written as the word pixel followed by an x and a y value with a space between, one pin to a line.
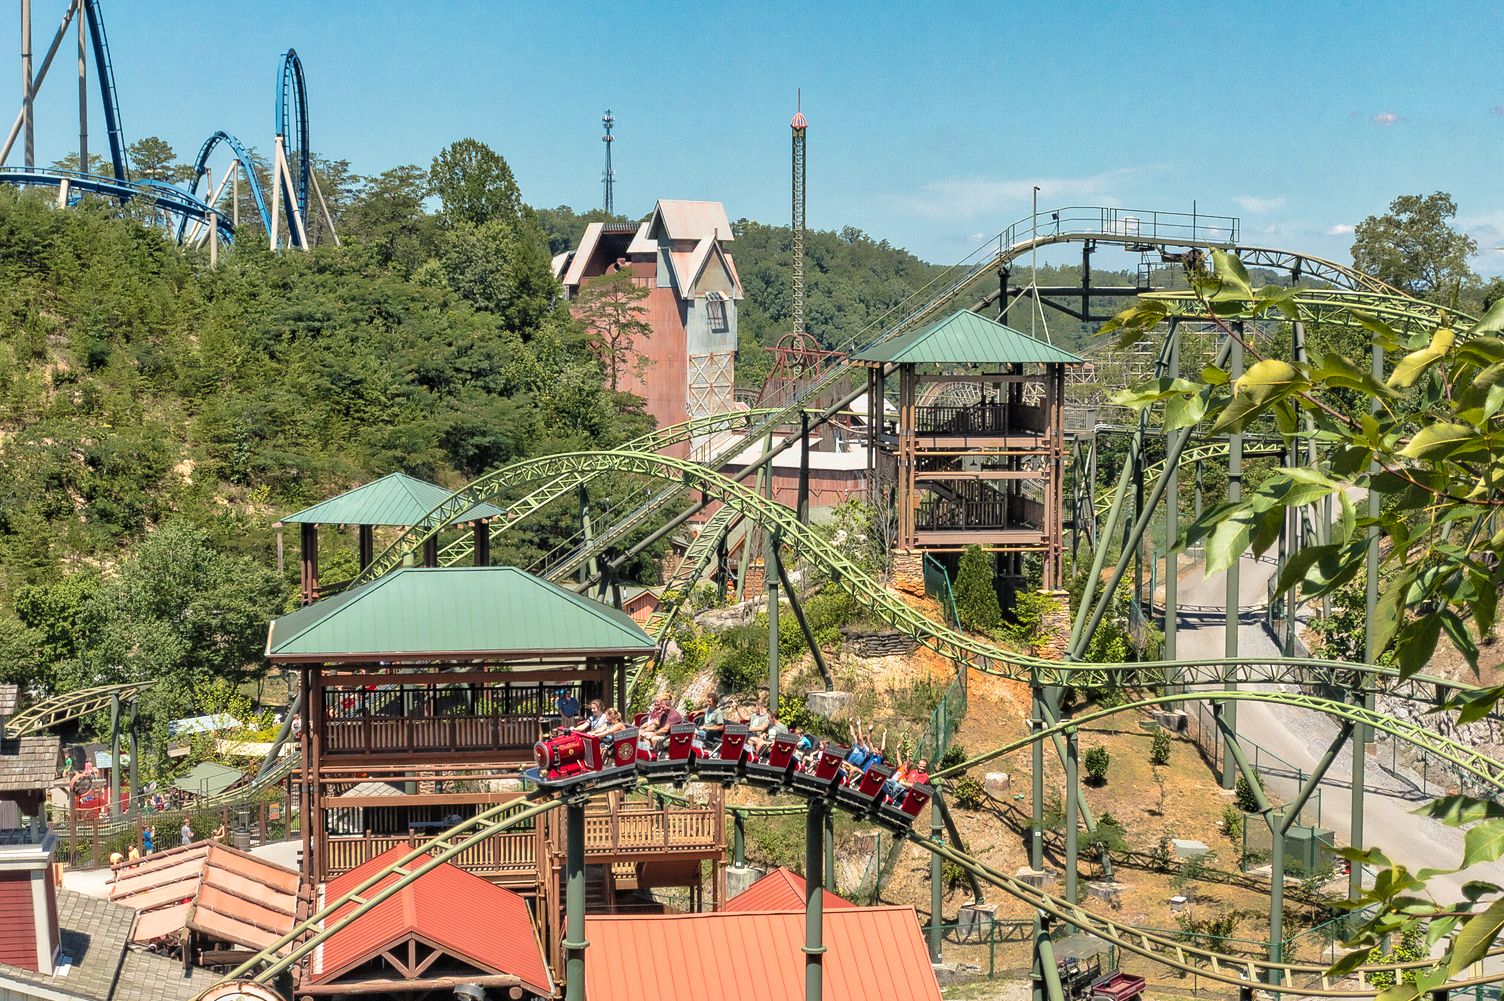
pixel 977 450
pixel 424 693
pixel 396 501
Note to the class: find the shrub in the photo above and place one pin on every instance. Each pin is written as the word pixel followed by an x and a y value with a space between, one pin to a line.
pixel 976 592
pixel 1232 822
pixel 1160 857
pixel 1159 747
pixel 1097 761
pixel 954 755
pixel 968 794
pixel 951 875
pixel 1243 796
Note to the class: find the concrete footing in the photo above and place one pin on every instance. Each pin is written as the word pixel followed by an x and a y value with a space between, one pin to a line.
pixel 1043 879
pixel 739 877
pixel 827 704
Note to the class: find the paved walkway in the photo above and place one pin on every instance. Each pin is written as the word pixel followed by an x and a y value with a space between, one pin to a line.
pixel 1301 738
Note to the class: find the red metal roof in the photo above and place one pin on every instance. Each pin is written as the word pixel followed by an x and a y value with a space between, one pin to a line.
pixel 779 890
pixel 871 952
pixel 479 922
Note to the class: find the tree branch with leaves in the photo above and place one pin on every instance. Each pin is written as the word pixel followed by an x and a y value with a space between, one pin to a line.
pixel 1433 449
pixel 611 309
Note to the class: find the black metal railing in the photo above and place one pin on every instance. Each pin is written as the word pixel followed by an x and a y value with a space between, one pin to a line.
pixel 976 418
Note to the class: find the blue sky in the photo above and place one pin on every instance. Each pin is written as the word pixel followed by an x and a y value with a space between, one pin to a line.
pixel 929 122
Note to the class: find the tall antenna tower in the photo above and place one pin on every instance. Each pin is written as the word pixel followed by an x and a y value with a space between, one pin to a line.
pixel 608 176
pixel 799 125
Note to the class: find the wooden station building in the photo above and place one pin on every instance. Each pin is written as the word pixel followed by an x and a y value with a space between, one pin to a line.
pixel 424 693
pixel 977 449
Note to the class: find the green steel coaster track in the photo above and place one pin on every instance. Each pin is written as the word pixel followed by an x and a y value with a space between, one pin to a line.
pixel 70 706
pixel 976 654
pixel 1308 979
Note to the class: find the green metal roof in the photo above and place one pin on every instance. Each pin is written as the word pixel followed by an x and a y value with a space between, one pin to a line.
pixel 395 499
pixel 453 613
pixel 207 779
pixel 963 337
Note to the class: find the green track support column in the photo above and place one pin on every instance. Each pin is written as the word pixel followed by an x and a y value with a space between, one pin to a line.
pixel 1230 642
pixel 937 876
pixel 1047 977
pixel 574 899
pixel 1036 751
pixel 135 783
pixel 830 850
pixel 803 496
pixel 1172 519
pixel 1277 826
pixel 814 900
pixel 1072 822
pixel 114 755
pixel 1363 734
pixel 738 839
pixel 587 536
pixel 770 578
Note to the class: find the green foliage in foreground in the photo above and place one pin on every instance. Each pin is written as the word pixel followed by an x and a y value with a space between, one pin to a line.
pixel 1433 449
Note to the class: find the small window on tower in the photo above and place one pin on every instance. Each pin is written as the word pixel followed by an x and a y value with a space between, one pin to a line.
pixel 715 306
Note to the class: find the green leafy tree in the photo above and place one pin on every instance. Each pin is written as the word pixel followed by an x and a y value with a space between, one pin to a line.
pixel 474 184
pixel 1414 247
pixel 180 612
pixel 153 159
pixel 611 308
pixel 975 591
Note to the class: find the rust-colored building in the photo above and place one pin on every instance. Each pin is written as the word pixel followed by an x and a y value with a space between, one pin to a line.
pixel 681 256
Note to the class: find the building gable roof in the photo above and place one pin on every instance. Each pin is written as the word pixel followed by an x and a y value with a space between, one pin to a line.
pixel 212 888
pixel 681 219
pixel 456 613
pixel 481 923
pixel 395 499
pixel 870 952
pixel 780 890
pixel 963 337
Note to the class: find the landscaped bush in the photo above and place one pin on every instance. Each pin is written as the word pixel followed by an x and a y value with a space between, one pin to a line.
pixel 975 592
pixel 1097 761
pixel 968 794
pixel 1159 747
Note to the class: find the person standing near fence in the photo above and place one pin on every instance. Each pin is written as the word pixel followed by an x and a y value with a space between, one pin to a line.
pixel 148 841
pixel 186 832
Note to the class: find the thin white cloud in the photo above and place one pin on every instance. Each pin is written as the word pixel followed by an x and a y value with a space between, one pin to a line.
pixel 1384 119
pixel 967 197
pixel 1251 204
pixel 1341 229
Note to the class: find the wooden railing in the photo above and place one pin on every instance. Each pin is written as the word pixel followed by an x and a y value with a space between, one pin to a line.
pixel 505 853
pixel 382 735
pixel 622 832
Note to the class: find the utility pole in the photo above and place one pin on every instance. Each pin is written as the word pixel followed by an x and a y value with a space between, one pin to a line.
pixel 608 176
pixel 798 125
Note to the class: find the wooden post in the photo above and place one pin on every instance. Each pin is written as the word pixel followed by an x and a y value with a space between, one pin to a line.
pixel 366 542
pixel 309 540
pixel 482 528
